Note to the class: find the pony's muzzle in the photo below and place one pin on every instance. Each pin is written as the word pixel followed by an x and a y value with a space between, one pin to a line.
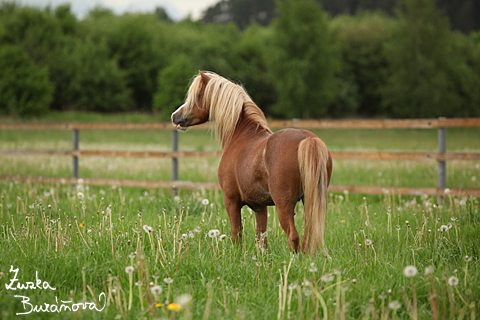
pixel 178 120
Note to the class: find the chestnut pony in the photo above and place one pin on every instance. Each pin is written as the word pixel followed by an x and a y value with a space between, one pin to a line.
pixel 260 168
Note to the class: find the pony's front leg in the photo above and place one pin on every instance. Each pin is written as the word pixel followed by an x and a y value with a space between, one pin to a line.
pixel 261 216
pixel 234 209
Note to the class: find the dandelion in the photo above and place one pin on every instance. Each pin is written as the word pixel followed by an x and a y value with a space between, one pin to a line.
pixel 453 281
pixel 168 280
pixel 368 242
pixel 159 305
pixel 222 237
pixel 410 271
pixel 80 195
pixel 176 199
pixel 129 269
pixel 292 286
pixel 197 229
pixel 81 225
pixel 184 299
pixel 447 191
pixel 443 228
pixel 213 233
pixel 205 202
pixel 428 270
pixel 174 307
pixel 468 258
pixel 342 221
pixel 312 268
pixel 394 305
pixel 156 290
pixel 327 278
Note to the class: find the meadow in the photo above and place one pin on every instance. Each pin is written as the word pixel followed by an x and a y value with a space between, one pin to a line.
pixel 133 253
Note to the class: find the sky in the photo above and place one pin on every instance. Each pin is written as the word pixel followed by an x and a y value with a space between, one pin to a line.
pixel 176 9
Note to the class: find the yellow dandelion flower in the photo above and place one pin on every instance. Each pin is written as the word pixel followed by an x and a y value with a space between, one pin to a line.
pixel 81 225
pixel 342 221
pixel 174 306
pixel 159 305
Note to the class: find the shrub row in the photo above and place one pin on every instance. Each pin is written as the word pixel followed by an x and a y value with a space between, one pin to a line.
pixel 303 65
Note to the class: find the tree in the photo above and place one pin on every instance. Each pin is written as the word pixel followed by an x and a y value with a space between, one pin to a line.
pixel 304 60
pixel 172 86
pixel 418 56
pixel 24 87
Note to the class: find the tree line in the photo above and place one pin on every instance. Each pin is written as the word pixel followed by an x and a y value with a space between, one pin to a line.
pixel 304 64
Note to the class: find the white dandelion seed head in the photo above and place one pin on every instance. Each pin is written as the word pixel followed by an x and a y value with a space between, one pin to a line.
pixel 213 233
pixel 312 268
pixel 80 195
pixel 197 229
pixel 145 228
pixel 327 277
pixel 443 228
pixel 156 290
pixel 184 299
pixel 205 202
pixel 453 281
pixel 191 234
pixel 292 286
pixel 429 270
pixel 132 255
pixel 449 225
pixel 258 264
pixel 222 237
pixel 468 258
pixel 129 269
pixel 368 242
pixel 168 280
pixel 176 199
pixel 447 191
pixel 410 271
pixel 394 305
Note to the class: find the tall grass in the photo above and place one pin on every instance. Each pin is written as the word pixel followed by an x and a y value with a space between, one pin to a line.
pixel 84 242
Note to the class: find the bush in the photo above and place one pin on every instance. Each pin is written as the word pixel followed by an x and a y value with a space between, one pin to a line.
pixel 173 84
pixel 361 39
pixel 304 61
pixel 419 59
pixel 25 90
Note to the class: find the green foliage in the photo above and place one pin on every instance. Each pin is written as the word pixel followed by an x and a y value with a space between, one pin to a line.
pixel 304 61
pixel 250 66
pixel 419 58
pixel 173 84
pixel 361 39
pixel 24 87
pixel 303 65
pixel 98 84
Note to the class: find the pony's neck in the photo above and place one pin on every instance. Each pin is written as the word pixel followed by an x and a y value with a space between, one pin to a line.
pixel 251 124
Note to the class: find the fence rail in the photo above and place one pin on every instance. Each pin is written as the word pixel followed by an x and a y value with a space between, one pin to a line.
pixel 441 156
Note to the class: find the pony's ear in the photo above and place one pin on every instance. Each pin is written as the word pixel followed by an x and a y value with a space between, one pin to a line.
pixel 205 78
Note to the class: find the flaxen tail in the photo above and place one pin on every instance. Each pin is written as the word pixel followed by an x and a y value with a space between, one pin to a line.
pixel 312 158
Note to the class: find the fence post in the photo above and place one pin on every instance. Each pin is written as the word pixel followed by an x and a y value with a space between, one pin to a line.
pixel 174 160
pixel 75 158
pixel 442 149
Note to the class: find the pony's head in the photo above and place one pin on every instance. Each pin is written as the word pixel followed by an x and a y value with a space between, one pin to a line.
pixel 193 111
pixel 216 99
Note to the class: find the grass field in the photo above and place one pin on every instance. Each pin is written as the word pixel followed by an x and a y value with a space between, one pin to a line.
pixel 139 253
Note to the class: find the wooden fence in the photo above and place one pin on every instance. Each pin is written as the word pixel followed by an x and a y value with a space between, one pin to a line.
pixel 440 157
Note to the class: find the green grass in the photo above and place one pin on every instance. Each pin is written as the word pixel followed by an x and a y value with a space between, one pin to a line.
pixel 49 229
pixel 225 280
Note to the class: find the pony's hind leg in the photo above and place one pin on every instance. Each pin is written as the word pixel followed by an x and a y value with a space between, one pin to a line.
pixel 261 215
pixel 285 216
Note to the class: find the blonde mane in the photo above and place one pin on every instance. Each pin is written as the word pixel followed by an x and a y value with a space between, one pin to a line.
pixel 227 100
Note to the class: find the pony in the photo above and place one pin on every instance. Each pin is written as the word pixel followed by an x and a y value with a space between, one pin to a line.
pixel 259 168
